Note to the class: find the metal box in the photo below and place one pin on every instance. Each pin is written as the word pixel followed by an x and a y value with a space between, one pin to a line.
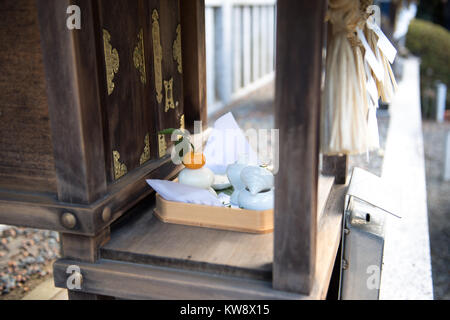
pixel 367 203
pixel 362 254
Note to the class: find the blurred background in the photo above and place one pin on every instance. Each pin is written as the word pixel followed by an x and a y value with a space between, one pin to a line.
pixel 240 40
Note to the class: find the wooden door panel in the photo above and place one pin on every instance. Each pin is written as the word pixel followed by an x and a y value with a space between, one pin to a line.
pixel 129 124
pixel 165 16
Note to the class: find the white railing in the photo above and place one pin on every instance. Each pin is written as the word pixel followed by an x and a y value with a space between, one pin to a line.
pixel 240 48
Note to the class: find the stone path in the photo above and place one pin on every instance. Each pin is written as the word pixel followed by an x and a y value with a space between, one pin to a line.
pixel 46 291
pixel 407 263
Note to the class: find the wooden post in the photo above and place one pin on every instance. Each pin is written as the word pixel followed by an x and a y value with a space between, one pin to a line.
pixel 210 42
pixel 73 93
pixel 336 166
pixel 300 35
pixel 194 61
pixel 85 249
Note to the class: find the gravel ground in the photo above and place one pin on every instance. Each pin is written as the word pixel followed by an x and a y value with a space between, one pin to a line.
pixel 438 194
pixel 26 257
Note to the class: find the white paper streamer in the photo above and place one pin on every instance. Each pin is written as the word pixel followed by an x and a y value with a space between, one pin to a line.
pixel 383 42
pixel 370 56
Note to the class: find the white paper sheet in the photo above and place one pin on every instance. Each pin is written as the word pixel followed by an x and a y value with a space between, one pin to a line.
pixel 383 42
pixel 177 192
pixel 370 56
pixel 225 144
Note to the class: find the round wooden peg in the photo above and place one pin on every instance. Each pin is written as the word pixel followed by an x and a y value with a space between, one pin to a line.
pixel 106 214
pixel 69 220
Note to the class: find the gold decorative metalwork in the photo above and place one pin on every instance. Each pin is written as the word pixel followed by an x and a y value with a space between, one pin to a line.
pixel 168 85
pixel 177 55
pixel 157 55
pixel 182 126
pixel 182 123
pixel 162 145
pixel 139 57
pixel 111 61
pixel 146 154
pixel 120 169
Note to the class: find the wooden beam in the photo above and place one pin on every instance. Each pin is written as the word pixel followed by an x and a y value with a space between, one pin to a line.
pixel 73 101
pixel 194 61
pixel 328 240
pixel 44 212
pixel 300 35
pixel 137 281
pixel 82 248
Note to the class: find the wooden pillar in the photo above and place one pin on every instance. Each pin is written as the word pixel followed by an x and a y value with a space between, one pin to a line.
pixel 300 33
pixel 73 93
pixel 210 42
pixel 336 166
pixel 194 61
pixel 86 249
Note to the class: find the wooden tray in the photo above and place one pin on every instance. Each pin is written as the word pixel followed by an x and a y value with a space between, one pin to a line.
pixel 214 217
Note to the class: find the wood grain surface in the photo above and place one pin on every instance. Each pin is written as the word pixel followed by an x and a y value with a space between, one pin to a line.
pixel 194 62
pixel 128 109
pixel 26 153
pixel 73 101
pixel 300 38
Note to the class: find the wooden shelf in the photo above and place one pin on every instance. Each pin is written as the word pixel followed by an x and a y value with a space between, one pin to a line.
pixel 136 264
pixel 144 239
pixel 148 240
